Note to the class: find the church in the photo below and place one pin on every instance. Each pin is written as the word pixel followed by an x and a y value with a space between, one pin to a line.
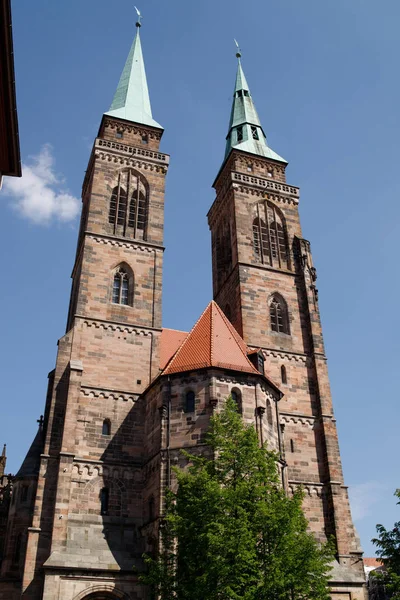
pixel 127 395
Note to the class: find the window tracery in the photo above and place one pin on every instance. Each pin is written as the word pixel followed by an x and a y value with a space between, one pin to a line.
pixel 278 314
pixel 122 291
pixel 128 209
pixel 269 236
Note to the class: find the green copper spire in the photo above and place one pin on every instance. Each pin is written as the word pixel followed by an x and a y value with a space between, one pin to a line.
pixel 245 130
pixel 131 101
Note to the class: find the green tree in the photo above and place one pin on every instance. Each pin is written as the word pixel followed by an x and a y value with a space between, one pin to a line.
pixel 230 532
pixel 388 544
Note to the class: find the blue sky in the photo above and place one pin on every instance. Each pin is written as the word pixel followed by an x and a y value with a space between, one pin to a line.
pixel 324 77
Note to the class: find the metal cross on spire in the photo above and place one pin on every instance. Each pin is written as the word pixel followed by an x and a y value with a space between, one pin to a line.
pixel 139 14
pixel 238 53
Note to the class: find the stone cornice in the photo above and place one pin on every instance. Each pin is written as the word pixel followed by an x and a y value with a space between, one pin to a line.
pixel 123 242
pixel 95 392
pixel 267 189
pixel 286 193
pixel 130 151
pixel 135 160
pixel 130 127
pixel 116 326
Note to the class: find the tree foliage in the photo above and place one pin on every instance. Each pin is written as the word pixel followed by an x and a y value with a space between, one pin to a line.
pixel 230 532
pixel 388 543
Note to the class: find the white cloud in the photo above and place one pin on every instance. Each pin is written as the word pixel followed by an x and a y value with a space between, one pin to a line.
pixel 363 496
pixel 39 195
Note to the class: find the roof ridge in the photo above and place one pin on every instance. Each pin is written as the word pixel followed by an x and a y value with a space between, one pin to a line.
pixel 211 305
pixel 172 329
pixel 237 338
pixel 179 350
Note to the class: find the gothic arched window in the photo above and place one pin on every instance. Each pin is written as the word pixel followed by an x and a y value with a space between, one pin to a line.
pixel 278 314
pixel 269 236
pixel 122 292
pixel 106 428
pixel 132 189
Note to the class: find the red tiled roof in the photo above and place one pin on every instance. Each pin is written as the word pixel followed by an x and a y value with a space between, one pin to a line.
pixel 372 562
pixel 171 339
pixel 213 342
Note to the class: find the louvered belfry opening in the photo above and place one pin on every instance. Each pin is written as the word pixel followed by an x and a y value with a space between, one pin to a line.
pixel 128 210
pixel 269 236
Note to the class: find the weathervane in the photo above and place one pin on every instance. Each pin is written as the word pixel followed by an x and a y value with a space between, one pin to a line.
pixel 139 21
pixel 238 53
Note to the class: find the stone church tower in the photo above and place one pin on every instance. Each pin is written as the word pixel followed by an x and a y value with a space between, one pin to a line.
pixel 127 395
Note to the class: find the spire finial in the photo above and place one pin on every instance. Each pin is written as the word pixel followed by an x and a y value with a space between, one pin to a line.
pixel 139 14
pixel 40 421
pixel 238 53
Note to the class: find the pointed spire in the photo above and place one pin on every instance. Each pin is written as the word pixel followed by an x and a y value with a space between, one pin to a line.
pixel 3 454
pixel 131 100
pixel 245 129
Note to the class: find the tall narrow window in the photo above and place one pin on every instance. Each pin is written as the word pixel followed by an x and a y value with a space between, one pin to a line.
pixel 261 240
pixel 239 132
pixel 17 548
pixel 269 236
pixel 117 211
pixel 223 251
pixel 106 428
pixel 151 508
pixel 291 446
pixel 269 414
pixel 278 314
pixel 237 398
pixel 190 402
pixel 283 374
pixel 104 500
pixel 138 211
pixel 228 312
pixel 254 132
pixel 121 292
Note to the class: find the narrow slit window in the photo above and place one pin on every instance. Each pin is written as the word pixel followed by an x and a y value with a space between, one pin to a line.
pixel 106 428
pixel 291 446
pixel 190 402
pixel 283 374
pixel 24 493
pixel 104 500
